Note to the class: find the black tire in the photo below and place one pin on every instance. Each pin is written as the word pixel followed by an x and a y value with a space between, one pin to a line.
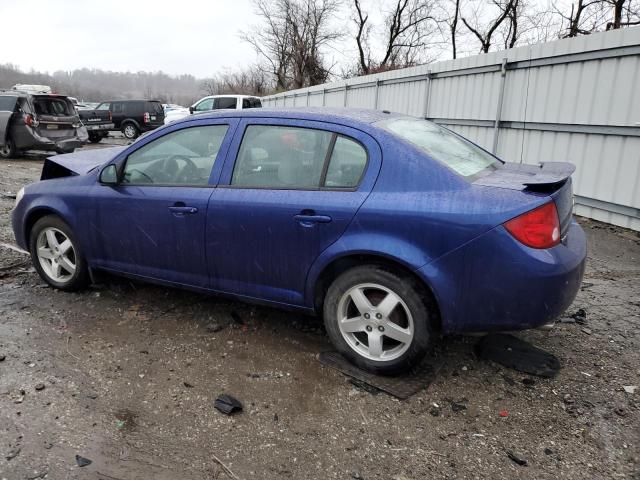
pixel 8 150
pixel 95 137
pixel 421 308
pixel 80 279
pixel 130 131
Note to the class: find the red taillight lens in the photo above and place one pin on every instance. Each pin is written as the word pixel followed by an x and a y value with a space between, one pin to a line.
pixel 539 228
pixel 28 120
pixel 110 117
pixel 146 117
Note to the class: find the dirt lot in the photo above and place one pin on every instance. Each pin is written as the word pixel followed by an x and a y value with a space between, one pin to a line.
pixel 130 373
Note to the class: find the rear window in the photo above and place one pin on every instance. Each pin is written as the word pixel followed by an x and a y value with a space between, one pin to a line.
pixel 53 106
pixel 155 107
pixel 460 155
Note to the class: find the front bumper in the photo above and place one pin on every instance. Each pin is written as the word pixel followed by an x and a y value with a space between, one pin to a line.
pixel 495 283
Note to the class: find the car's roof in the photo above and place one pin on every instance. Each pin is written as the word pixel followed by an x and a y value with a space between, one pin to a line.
pixel 326 114
pixel 131 100
pixel 230 95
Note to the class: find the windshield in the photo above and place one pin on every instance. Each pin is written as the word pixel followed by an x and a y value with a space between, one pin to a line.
pixel 460 155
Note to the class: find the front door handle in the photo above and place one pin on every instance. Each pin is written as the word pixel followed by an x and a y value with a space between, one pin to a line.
pixel 182 210
pixel 309 220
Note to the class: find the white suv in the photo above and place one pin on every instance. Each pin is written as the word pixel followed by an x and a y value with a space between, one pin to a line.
pixel 214 102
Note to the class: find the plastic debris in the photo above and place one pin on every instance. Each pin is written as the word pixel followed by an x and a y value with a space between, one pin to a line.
pixel 630 388
pixel 515 353
pixel 82 462
pixel 517 458
pixel 504 413
pixel 227 404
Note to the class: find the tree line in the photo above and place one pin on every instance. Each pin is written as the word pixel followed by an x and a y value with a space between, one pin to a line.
pixel 294 39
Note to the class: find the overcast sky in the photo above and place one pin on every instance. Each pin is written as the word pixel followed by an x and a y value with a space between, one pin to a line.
pixel 199 37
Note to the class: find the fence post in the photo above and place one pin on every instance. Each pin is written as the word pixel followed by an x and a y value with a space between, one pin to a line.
pixel 427 95
pixel 496 123
pixel 324 91
pixel 375 101
pixel 307 98
pixel 344 102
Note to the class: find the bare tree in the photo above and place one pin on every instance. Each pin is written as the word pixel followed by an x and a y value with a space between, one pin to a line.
pixel 291 38
pixel 453 28
pixel 408 30
pixel 485 34
pixel 623 15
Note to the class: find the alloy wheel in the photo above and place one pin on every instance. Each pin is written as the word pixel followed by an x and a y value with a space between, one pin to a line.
pixel 56 255
pixel 129 131
pixel 375 322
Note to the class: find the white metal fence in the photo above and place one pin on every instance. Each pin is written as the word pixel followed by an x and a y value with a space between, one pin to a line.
pixel 575 100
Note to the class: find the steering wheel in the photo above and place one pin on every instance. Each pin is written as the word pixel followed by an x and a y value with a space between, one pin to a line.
pixel 189 171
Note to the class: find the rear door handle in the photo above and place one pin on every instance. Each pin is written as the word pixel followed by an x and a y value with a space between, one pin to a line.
pixel 311 219
pixel 181 210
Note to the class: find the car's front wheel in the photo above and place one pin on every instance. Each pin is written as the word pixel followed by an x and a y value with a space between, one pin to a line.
pixel 130 131
pixel 378 319
pixel 56 254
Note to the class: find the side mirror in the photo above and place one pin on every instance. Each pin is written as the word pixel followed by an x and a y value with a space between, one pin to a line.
pixel 191 110
pixel 109 175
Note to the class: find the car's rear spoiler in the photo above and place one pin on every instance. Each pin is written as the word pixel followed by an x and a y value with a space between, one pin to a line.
pixel 518 176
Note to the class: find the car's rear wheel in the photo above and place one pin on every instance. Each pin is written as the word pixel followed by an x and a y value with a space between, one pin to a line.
pixel 8 150
pixel 56 254
pixel 130 131
pixel 378 319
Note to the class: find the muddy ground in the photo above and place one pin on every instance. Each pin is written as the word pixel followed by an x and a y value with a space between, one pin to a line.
pixel 125 374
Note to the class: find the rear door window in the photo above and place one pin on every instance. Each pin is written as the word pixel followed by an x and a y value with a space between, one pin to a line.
pixel 225 102
pixel 183 157
pixel 281 157
pixel 347 164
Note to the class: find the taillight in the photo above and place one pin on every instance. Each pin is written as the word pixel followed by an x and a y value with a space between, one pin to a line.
pixel 538 228
pixel 146 117
pixel 28 120
pixel 110 117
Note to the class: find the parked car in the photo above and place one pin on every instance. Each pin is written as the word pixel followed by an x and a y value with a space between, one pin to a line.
pixel 38 122
pixel 133 117
pixel 393 228
pixel 97 122
pixel 215 102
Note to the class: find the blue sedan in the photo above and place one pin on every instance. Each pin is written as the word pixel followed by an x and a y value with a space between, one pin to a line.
pixel 394 229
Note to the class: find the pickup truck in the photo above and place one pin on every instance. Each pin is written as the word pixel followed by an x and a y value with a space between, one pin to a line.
pixel 97 122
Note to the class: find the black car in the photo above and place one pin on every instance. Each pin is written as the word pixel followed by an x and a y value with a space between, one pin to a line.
pixel 38 121
pixel 134 117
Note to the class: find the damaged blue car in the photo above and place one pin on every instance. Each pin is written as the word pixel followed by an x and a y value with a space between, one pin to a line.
pixel 394 229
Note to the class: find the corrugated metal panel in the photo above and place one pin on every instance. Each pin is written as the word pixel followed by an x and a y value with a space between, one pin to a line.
pixel 574 100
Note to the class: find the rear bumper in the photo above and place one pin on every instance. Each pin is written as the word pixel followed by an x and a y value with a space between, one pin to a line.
pixel 495 283
pixel 97 128
pixel 29 138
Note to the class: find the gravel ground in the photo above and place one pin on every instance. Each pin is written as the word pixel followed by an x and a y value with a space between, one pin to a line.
pixel 125 374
